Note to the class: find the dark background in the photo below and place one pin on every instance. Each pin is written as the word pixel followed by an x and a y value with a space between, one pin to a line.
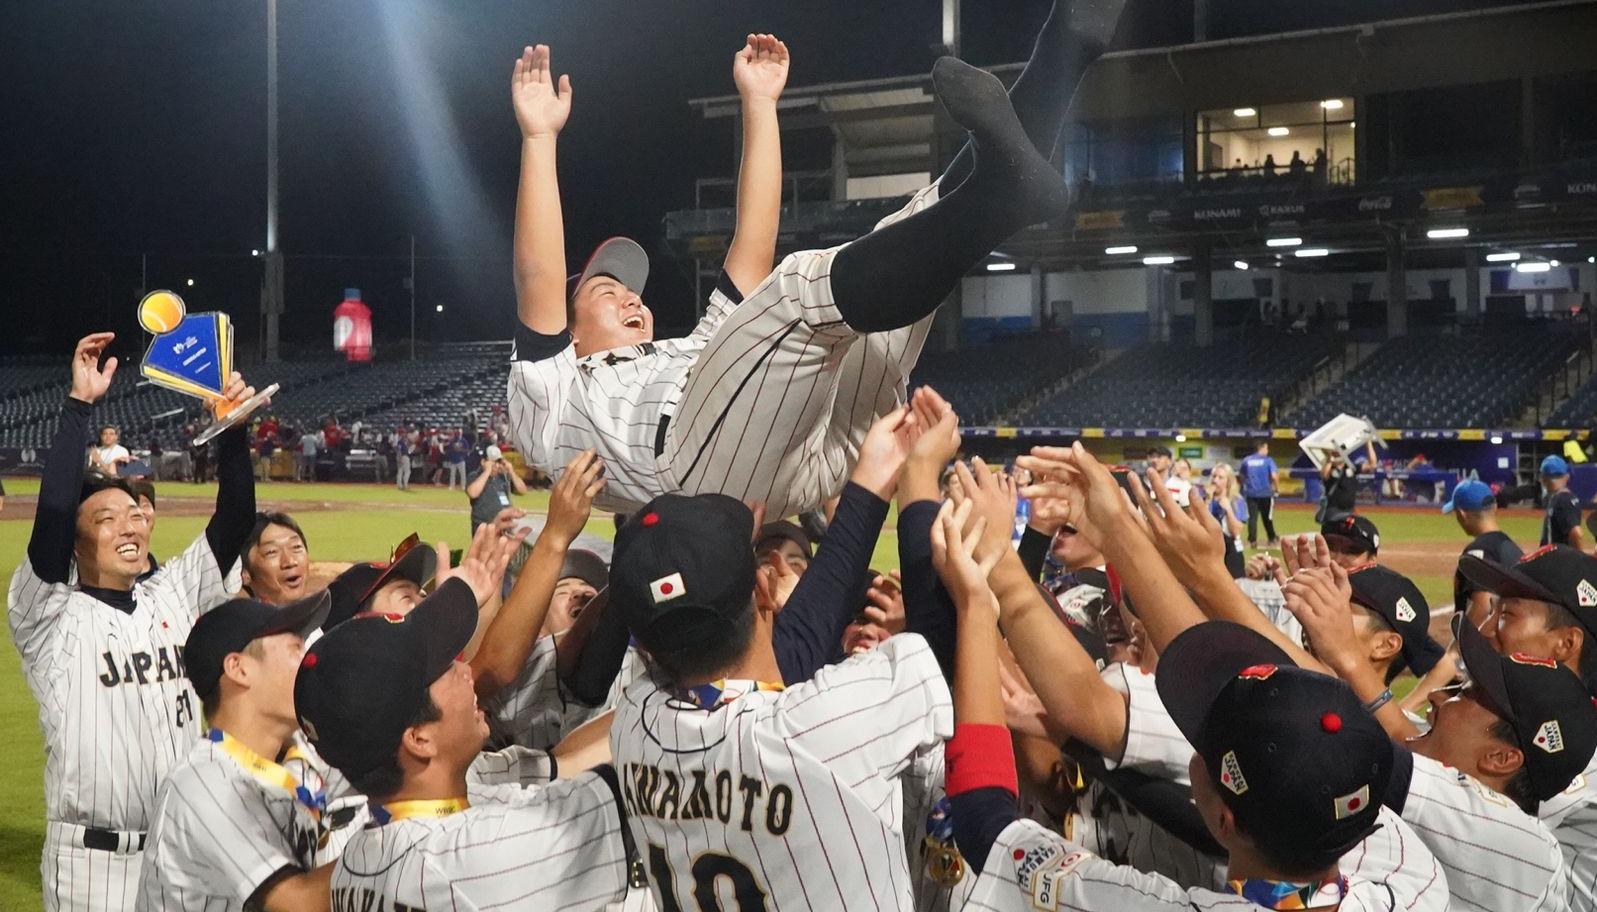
pixel 132 136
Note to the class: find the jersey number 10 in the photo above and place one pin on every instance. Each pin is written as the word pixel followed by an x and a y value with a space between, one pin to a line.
pixel 707 868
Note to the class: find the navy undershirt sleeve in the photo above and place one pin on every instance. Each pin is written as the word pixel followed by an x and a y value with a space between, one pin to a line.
pixel 980 817
pixel 55 519
pixel 234 517
pixel 1034 548
pixel 928 608
pixel 832 591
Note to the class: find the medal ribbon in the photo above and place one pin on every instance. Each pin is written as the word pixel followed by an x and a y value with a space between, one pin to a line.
pixel 1285 896
pixel 269 773
pixel 718 693
pixel 404 810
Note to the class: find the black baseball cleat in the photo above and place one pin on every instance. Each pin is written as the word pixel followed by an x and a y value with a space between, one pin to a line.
pixel 1007 164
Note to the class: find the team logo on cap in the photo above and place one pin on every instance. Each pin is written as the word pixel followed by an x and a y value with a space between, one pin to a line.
pixel 1549 737
pixel 667 588
pixel 1352 803
pixel 1537 553
pixel 1586 594
pixel 1405 611
pixel 1476 553
pixel 1257 673
pixel 1231 771
pixel 1522 658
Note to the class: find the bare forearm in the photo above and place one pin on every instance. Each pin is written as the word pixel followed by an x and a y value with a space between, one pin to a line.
pixel 475 486
pixel 305 892
pixel 978 698
pixel 540 244
pixel 759 202
pixel 509 640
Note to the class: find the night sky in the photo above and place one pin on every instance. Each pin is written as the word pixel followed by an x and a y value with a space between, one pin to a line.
pixel 138 128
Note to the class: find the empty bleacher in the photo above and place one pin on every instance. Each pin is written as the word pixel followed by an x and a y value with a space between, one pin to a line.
pixel 983 382
pixel 1479 378
pixel 1168 385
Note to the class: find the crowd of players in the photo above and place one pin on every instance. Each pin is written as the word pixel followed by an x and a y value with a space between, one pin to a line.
pixel 1118 711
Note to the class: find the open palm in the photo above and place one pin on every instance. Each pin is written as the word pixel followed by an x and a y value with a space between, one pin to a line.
pixel 541 108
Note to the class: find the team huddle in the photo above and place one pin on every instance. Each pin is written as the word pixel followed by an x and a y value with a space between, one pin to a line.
pixel 1118 712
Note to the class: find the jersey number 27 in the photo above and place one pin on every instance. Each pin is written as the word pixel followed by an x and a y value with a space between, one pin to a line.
pixel 707 868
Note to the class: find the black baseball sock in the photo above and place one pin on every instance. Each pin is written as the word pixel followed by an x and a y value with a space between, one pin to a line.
pixel 1073 37
pixel 898 274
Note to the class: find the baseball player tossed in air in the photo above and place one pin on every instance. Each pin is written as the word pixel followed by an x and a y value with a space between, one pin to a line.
pixel 235 829
pixel 387 701
pixel 102 649
pixel 772 393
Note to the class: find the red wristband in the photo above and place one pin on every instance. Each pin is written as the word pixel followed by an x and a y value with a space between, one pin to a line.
pixel 980 756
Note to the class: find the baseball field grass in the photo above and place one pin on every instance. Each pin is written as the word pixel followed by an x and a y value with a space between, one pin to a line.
pixel 362 522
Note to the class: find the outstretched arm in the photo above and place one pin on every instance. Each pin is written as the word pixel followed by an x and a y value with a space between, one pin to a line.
pixel 760 71
pixel 540 242
pixel 54 522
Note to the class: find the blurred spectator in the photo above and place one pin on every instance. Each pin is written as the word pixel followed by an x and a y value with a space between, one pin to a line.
pixel 401 445
pixel 1269 166
pixel 1561 524
pixel 1297 166
pixel 1341 480
pixel 490 491
pixel 305 464
pixel 1320 164
pixel 455 460
pixel 109 455
pixel 199 455
pixel 1261 479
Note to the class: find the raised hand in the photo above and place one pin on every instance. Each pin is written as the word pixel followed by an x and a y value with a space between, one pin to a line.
pixel 955 536
pixel 571 499
pixel 1187 538
pixel 506 519
pixel 1305 552
pixel 1094 502
pixel 887 445
pixel 541 108
pixel 774 582
pixel 885 601
pixel 483 565
pixel 760 69
pixel 1322 601
pixel 235 392
pixel 939 439
pixel 995 497
pixel 90 381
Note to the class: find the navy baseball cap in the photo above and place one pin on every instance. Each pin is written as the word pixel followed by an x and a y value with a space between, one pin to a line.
pixel 683 568
pixel 772 534
pixel 1470 496
pixel 413 559
pixel 233 625
pixel 363 683
pixel 1352 533
pixel 1554 718
pixel 623 259
pixel 1558 574
pixel 1554 467
pixel 1400 603
pixel 1292 752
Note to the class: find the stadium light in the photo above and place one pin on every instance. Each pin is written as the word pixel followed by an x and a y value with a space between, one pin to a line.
pixel 1280 131
pixel 1283 242
pixel 1501 257
pixel 1497 438
pixel 1181 438
pixel 1312 252
pixel 254 252
pixel 1001 267
pixel 1160 260
pixel 1117 251
pixel 1447 234
pixel 1241 264
pixel 1555 264
pixel 191 283
pixel 1592 259
pixel 1332 104
pixel 439 308
pixel 1245 112
pixel 1533 267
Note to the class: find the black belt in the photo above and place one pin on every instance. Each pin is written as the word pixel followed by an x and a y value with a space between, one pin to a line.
pixel 106 840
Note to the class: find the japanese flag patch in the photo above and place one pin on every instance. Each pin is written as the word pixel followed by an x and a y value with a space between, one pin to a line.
pixel 1549 737
pixel 1350 804
pixel 1405 611
pixel 1231 774
pixel 1586 594
pixel 667 588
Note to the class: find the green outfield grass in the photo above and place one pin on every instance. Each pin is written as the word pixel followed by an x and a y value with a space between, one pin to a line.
pixel 362 522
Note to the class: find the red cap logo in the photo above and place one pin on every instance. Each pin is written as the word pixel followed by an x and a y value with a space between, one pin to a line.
pixel 1330 723
pixel 1537 553
pixel 1257 672
pixel 309 661
pixel 650 519
pixel 1521 658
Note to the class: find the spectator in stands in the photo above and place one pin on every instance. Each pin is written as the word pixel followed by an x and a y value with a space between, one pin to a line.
pixel 786 540
pixel 1561 525
pixel 109 455
pixel 1297 166
pixel 265 446
pixel 1353 540
pixel 435 457
pixel 1226 503
pixel 455 459
pixel 1261 480
pixel 1269 166
pixel 276 560
pixel 1475 508
pixel 1320 164
pixel 310 444
pixel 1341 480
pixel 490 491
pixel 199 455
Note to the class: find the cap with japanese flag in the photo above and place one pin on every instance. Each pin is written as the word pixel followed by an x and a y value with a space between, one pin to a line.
pixel 1291 752
pixel 683 569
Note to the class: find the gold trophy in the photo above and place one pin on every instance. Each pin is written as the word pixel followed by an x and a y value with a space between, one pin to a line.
pixel 193 354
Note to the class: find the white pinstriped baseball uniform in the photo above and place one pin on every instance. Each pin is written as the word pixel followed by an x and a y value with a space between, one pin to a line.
pixel 924 785
pixel 1572 816
pixel 1033 869
pixel 769 397
pixel 531 710
pixel 116 710
pixel 787 800
pixel 556 848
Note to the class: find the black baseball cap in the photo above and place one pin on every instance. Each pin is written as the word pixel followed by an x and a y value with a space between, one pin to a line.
pixel 1353 532
pixel 1400 603
pixel 233 625
pixel 1554 718
pixel 623 259
pixel 413 560
pixel 363 683
pixel 1557 573
pixel 782 530
pixel 1292 752
pixel 587 566
pixel 683 568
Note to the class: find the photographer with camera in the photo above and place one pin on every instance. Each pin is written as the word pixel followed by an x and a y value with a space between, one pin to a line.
pixel 490 491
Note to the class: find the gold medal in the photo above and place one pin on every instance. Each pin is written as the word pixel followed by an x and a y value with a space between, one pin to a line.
pixel 943 863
